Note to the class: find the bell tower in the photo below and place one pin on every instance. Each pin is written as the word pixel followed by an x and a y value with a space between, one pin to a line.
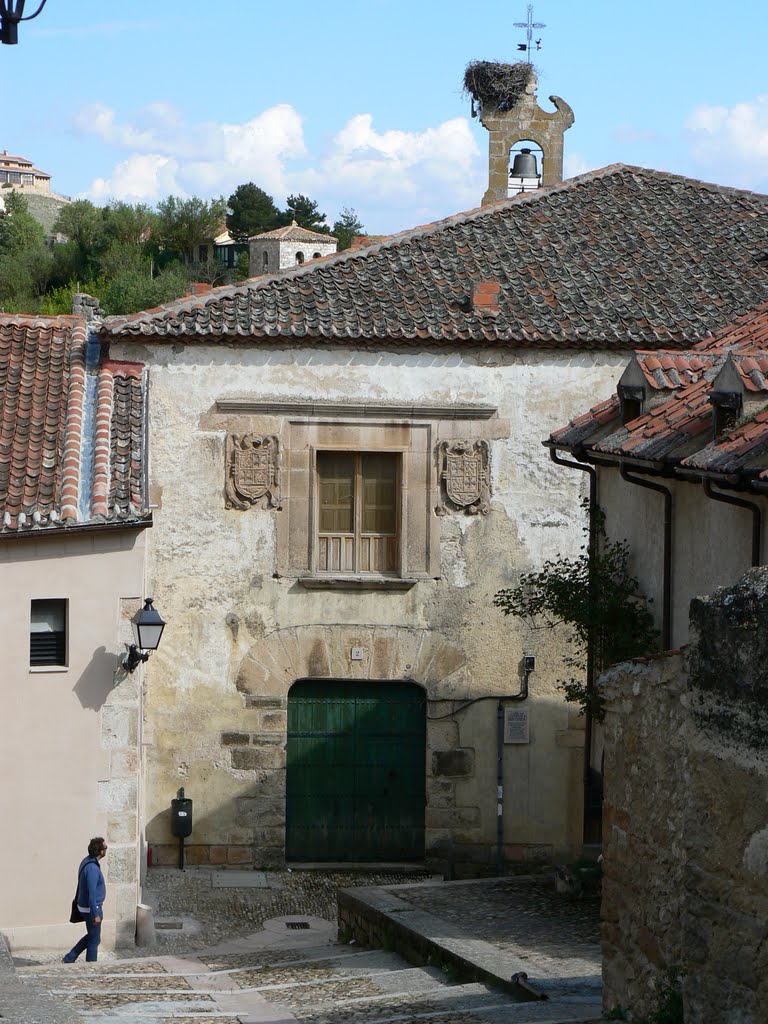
pixel 504 97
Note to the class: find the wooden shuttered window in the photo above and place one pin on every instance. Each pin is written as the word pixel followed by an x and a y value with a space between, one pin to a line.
pixel 358 512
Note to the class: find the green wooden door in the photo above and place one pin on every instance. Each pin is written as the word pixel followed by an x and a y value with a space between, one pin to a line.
pixel 355 771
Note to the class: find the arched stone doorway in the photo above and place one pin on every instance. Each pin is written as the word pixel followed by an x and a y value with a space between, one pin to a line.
pixel 397 662
pixel 355 775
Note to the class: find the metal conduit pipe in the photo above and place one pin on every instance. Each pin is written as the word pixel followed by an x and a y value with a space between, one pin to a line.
pixel 666 589
pixel 586 777
pixel 730 499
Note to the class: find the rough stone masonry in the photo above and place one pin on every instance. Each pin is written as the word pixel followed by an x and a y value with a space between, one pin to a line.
pixel 686 815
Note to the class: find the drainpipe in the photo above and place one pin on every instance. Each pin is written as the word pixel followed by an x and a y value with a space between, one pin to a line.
pixel 586 777
pixel 730 499
pixel 666 593
pixel 522 694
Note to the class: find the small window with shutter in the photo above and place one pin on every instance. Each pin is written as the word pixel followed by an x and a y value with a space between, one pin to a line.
pixel 48 633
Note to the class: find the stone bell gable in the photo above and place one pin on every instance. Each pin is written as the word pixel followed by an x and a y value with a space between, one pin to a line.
pixel 508 107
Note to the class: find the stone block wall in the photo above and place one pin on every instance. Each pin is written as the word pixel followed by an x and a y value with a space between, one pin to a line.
pixel 686 816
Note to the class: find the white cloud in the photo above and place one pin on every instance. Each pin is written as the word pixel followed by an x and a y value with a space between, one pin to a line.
pixel 402 168
pixel 735 138
pixel 395 177
pixel 140 178
pixel 575 164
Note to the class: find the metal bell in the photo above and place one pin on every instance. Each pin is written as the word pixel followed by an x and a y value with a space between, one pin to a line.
pixel 524 165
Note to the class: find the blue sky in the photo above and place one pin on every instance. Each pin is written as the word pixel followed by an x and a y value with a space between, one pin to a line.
pixel 359 103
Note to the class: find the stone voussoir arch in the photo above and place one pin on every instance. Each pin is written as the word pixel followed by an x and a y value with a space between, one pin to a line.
pixel 422 656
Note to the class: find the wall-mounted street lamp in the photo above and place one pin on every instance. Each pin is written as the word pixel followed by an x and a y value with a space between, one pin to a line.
pixel 147 628
pixel 11 13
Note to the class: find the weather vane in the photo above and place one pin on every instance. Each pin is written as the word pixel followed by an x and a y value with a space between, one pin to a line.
pixel 529 26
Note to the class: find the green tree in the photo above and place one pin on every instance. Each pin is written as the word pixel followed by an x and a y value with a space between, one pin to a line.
pixel 250 212
pixel 182 225
pixel 128 223
pixel 25 260
pixel 82 225
pixel 597 600
pixel 347 227
pixel 306 213
pixel 81 222
pixel 134 288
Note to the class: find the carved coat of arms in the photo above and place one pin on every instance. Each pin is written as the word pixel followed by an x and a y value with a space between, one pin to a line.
pixel 464 477
pixel 252 467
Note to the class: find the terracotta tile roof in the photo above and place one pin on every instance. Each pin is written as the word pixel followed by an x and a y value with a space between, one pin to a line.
pixel 667 428
pixel 678 431
pixel 294 233
pixel 70 453
pixel 671 370
pixel 619 258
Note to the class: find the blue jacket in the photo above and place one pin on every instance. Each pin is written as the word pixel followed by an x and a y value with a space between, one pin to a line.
pixel 91 887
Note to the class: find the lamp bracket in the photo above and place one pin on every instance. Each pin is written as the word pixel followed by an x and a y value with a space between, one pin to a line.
pixel 133 657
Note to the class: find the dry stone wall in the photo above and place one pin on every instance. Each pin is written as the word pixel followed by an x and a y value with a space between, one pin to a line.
pixel 686 816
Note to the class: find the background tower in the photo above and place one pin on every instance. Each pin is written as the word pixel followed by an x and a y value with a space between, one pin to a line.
pixel 504 97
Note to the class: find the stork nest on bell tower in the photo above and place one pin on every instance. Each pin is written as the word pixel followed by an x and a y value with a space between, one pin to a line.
pixel 494 85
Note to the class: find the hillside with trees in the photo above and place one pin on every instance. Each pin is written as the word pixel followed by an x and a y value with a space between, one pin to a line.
pixel 134 256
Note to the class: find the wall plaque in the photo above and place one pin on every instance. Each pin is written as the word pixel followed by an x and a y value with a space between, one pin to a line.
pixel 516 725
pixel 252 464
pixel 464 477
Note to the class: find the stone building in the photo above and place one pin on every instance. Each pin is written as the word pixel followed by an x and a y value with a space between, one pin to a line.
pixel 72 521
pixel 20 175
pixel 288 247
pixel 347 466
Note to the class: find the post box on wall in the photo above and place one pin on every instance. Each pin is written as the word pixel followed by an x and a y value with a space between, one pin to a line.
pixel 181 816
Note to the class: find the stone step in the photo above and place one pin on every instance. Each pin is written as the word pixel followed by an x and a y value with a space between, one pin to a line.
pixel 317 985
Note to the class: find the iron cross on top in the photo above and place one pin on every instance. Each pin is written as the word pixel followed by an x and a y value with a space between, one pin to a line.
pixel 529 26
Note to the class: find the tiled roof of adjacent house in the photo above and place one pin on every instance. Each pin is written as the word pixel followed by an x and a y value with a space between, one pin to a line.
pixel 677 432
pixel 71 435
pixel 615 259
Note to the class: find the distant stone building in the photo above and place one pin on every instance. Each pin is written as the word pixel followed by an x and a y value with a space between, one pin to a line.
pixel 20 174
pixel 288 247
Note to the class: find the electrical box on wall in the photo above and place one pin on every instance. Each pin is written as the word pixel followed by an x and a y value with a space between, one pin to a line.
pixel 516 725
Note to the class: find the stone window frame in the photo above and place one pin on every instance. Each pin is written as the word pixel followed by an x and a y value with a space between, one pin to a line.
pixel 297 539
pixel 414 430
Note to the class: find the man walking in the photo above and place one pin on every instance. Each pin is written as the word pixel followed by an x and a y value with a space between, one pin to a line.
pixel 91 890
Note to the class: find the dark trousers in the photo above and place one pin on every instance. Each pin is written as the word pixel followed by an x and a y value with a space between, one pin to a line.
pixel 89 942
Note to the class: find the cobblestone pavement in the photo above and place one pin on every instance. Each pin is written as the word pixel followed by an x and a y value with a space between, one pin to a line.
pixel 210 914
pixel 269 955
pixel 557 935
